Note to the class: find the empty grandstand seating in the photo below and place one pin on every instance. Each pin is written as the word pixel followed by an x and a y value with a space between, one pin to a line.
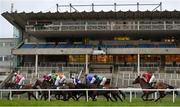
pixel 47 45
pixel 113 45
pixel 28 46
pixel 167 45
pixel 146 46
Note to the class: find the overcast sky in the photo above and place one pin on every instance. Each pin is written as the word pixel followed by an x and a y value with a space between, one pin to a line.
pixel 6 29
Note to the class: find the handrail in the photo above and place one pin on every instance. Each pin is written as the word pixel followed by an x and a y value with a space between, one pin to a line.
pixel 6 80
pixel 99 27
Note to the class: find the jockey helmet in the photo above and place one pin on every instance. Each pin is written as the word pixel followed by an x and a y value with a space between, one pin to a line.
pixel 15 73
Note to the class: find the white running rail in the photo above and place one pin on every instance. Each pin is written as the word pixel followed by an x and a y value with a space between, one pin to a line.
pixel 130 90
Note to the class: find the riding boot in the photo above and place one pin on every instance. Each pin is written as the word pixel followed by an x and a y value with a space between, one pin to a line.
pixel 17 86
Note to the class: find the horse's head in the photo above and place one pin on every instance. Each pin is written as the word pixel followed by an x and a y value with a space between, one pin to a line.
pixel 37 84
pixel 137 80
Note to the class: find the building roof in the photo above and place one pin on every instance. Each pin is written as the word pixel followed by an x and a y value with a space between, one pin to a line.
pixel 20 19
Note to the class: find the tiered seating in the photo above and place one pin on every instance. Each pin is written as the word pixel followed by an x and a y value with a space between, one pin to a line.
pixel 73 46
pixel 52 45
pixel 146 46
pixel 48 45
pixel 167 45
pixel 126 46
pixel 28 46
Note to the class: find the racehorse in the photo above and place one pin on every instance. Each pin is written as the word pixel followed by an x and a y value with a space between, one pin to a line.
pixel 14 86
pixel 106 94
pixel 48 85
pixel 158 85
pixel 93 94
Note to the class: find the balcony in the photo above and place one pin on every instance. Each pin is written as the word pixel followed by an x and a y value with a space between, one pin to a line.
pixel 109 26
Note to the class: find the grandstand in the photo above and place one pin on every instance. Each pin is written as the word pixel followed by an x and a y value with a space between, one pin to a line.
pixel 65 41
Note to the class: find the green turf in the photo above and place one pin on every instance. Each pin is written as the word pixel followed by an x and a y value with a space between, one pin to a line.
pixel 82 102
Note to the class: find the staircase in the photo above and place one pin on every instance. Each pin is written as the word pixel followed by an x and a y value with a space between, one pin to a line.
pixel 8 78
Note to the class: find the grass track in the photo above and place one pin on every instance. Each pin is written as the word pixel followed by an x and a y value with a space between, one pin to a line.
pixel 101 102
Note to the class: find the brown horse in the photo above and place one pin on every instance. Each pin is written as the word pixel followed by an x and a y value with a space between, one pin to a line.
pixel 47 85
pixel 114 94
pixel 26 86
pixel 158 85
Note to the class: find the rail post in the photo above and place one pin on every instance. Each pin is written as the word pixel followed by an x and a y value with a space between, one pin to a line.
pixel 10 95
pixel 37 95
pixel 173 97
pixel 130 97
pixel 155 95
pixel 49 95
pixel 1 94
pixel 87 95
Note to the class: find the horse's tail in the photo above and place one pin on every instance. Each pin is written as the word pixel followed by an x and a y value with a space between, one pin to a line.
pixel 171 87
pixel 123 94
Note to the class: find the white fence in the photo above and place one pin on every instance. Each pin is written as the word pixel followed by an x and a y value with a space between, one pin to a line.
pixel 130 90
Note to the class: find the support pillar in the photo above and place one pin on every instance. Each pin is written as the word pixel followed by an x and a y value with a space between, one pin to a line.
pixel 87 70
pixel 36 64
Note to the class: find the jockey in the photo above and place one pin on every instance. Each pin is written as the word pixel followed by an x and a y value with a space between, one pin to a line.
pixel 19 79
pixel 53 77
pixel 148 77
pixel 89 79
pixel 60 80
pixel 76 80
pixel 47 77
pixel 101 80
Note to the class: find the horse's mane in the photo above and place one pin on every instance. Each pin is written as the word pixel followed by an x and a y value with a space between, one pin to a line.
pixel 143 80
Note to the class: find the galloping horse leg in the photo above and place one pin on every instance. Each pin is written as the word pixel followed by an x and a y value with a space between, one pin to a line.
pixel 108 97
pixel 119 97
pixel 123 95
pixel 162 95
pixel 147 96
pixel 143 96
pixel 31 94
pixel 114 96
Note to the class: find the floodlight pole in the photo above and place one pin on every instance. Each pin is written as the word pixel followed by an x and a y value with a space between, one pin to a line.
pixel 114 7
pixel 137 6
pixel 57 6
pixel 160 6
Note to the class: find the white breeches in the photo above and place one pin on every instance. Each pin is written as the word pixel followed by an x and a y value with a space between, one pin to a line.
pixel 62 80
pixel 93 80
pixel 152 79
pixel 103 81
pixel 57 82
pixel 21 82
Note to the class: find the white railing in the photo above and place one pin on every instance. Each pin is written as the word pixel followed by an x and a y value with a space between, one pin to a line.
pixel 172 69
pixel 130 90
pixel 100 27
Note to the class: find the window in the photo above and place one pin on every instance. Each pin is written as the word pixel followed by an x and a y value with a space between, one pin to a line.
pixel 2 73
pixel 77 58
pixel 7 44
pixel 1 44
pixel 12 44
pixel 1 58
pixel 6 58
